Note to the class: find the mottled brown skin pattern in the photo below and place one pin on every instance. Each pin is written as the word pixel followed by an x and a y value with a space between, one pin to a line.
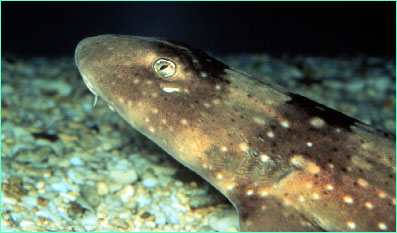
pixel 284 161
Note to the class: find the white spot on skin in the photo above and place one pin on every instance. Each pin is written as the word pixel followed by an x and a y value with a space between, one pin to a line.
pixel 317 122
pixel 250 192
pixel 171 89
pixel 244 146
pixel 362 182
pixel 155 110
pixel 366 145
pixel 284 124
pixel 219 176
pixel 330 187
pixel 230 187
pixel 147 119
pixel 155 95
pixel 163 121
pixel 270 134
pixel 260 121
pixel 309 144
pixel 315 196
pixel 203 75
pixel 136 81
pixel 301 199
pixel 330 165
pixel 207 105
pixel 308 185
pixel 149 82
pixel 263 193
pixel 218 87
pixel 184 122
pixel 298 160
pixel 348 199
pixel 216 101
pixel 151 129
pixel 382 195
pixel 223 148
pixel 351 225
pixel 369 205
pixel 301 162
pixel 382 226
pixel 264 157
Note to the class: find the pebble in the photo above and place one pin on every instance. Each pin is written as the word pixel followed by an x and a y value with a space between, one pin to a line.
pixel 123 176
pixel 355 85
pixel 113 201
pixel 224 221
pixel 102 188
pixel 61 87
pixel 149 179
pixel 76 161
pixel 90 194
pixel 380 83
pixel 89 222
pixel 126 193
pixel 27 225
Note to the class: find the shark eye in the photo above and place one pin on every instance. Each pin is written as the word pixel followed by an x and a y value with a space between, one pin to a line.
pixel 164 67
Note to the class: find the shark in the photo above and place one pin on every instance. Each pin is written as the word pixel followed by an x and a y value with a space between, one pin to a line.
pixel 285 162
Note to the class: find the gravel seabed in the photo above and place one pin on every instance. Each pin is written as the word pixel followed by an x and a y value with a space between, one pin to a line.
pixel 66 166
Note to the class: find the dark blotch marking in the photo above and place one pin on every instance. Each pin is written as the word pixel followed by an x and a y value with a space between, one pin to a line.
pixel 329 115
pixel 215 69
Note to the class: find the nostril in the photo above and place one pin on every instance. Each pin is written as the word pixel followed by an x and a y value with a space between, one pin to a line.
pixel 89 85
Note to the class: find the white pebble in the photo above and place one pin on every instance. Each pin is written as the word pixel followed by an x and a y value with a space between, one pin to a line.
pixel 126 193
pixel 224 221
pixel 90 222
pixel 76 161
pixel 123 176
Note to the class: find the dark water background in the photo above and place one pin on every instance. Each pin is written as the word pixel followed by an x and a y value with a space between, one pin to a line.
pixel 313 28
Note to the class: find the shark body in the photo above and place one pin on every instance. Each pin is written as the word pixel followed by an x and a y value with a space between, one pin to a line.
pixel 286 162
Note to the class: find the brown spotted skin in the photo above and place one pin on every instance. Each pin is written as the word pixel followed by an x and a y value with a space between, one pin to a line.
pixel 284 161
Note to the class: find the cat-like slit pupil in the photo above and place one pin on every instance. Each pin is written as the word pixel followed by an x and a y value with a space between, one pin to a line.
pixel 163 67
